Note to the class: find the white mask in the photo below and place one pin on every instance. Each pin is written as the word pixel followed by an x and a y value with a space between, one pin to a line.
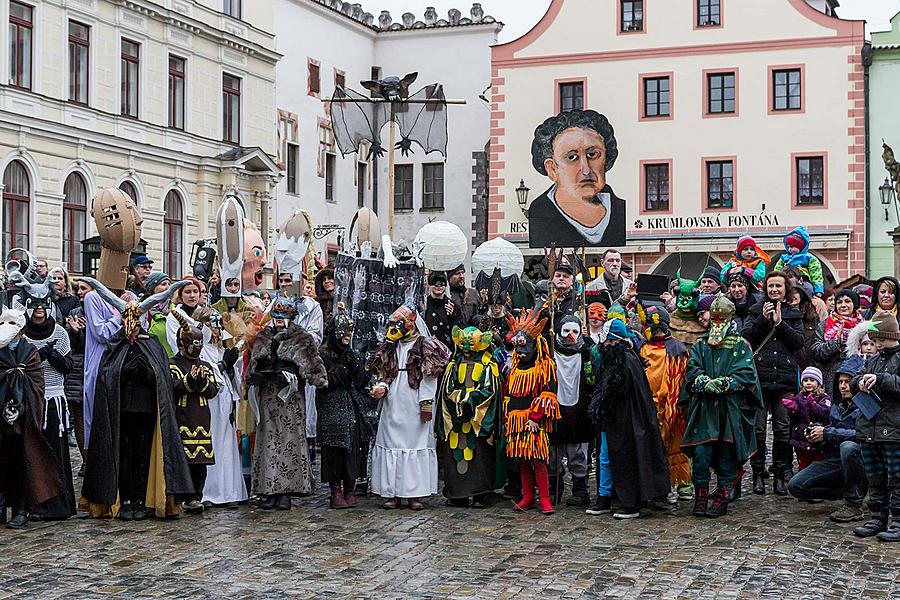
pixel 11 323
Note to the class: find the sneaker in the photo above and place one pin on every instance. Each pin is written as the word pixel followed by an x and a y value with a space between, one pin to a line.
pixel 891 534
pixel 672 498
pixel 601 506
pixel 872 527
pixel 686 492
pixel 627 513
pixel 660 503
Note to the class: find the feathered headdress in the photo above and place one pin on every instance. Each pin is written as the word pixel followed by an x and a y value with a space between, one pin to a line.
pixel 530 323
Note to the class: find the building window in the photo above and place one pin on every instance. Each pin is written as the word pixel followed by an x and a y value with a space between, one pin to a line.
pixel 656 187
pixel 721 93
pixel 361 180
pixel 176 92
pixel 231 108
pixel 720 184
pixel 571 96
pixel 131 65
pixel 79 50
pixel 403 187
pixel 16 207
pixel 293 158
pixel 709 13
pixel 232 8
pixel 20 32
pixel 330 165
pixel 173 234
pixel 810 181
pixel 433 186
pixel 74 221
pixel 657 101
pixel 314 78
pixel 340 80
pixel 128 188
pixel 632 15
pixel 787 89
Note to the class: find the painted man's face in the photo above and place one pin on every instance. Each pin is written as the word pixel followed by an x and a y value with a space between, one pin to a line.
pixel 578 166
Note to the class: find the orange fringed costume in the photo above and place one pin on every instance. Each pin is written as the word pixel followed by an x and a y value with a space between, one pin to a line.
pixel 665 373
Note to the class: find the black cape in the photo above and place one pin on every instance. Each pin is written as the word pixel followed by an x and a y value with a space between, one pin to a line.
pixel 574 425
pixel 101 479
pixel 623 403
pixel 546 224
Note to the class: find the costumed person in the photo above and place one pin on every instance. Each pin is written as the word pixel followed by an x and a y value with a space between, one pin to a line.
pixel 407 366
pixel 75 326
pixel 283 359
pixel 530 408
pixel 194 385
pixel 441 313
pixel 797 255
pixel 665 360
pixel 622 406
pixel 52 343
pixel 346 421
pixel 467 411
pixel 748 256
pixel 683 322
pixel 495 292
pixel 102 323
pixel 573 432
pixel 720 399
pixel 29 473
pixel 135 461
pixel 157 316
pixel 830 347
pixel 596 318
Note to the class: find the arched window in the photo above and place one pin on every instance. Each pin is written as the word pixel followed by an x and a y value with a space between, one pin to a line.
pixel 74 221
pixel 16 207
pixel 173 234
pixel 129 188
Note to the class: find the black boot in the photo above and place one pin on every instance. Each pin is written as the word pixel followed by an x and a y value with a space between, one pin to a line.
pixel 781 453
pixel 2 509
pixel 138 510
pixel 284 502
pixel 874 526
pixel 580 495
pixel 19 519
pixel 892 533
pixel 268 502
pixel 735 494
pixel 759 482
pixel 701 500
pixel 125 512
pixel 718 503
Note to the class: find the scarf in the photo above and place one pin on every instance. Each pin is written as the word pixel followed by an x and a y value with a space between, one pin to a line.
pixel 836 323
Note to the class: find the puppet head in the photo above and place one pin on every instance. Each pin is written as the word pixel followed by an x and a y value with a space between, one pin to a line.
pixel 688 295
pixel 133 310
pixel 656 323
pixel 190 337
pixel 526 333
pixel 721 313
pixel 294 244
pixel 471 339
pixel 119 223
pixel 12 321
pixel 230 240
pixel 254 259
pixel 391 88
pixel 402 325
pixel 569 337
pixel 36 295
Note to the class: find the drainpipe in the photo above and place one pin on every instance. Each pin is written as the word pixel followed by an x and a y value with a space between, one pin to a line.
pixel 867 62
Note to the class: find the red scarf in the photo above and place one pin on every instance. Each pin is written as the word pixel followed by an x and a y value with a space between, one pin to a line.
pixel 834 324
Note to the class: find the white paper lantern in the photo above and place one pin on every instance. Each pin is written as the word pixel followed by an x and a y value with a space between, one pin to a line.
pixel 444 246
pixel 495 253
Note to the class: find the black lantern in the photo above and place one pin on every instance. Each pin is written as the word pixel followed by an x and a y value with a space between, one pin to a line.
pixel 888 196
pixel 522 197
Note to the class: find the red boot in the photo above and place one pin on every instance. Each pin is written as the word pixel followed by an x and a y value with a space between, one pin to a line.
pixel 337 496
pixel 527 476
pixel 350 493
pixel 543 486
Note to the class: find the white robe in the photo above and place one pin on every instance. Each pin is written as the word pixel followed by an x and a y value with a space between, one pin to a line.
pixel 224 479
pixel 404 459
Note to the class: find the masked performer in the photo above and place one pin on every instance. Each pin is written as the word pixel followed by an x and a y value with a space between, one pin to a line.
pixel 345 424
pixel 52 343
pixel 684 324
pixel 530 407
pixel 573 432
pixel 466 424
pixel 29 475
pixel 665 361
pixel 283 359
pixel 720 398
pixel 623 404
pixel 194 386
pixel 135 462
pixel 406 365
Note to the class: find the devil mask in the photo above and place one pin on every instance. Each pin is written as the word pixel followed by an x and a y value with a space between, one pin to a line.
pixel 402 325
pixel 569 337
pixel 34 295
pixel 720 320
pixel 190 337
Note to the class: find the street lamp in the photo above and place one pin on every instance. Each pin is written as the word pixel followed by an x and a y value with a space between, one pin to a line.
pixel 888 196
pixel 522 197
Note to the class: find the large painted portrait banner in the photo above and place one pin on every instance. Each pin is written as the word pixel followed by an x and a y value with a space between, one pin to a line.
pixel 575 150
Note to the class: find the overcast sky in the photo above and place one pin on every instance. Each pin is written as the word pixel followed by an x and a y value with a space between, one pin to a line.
pixel 520 15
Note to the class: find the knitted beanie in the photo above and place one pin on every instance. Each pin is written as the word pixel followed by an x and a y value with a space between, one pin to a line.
pixel 884 327
pixel 795 240
pixel 811 373
pixel 745 241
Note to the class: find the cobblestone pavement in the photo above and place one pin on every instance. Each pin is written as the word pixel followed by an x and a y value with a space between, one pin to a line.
pixel 766 547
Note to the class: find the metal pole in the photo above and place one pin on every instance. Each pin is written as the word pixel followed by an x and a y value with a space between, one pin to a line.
pixel 393 133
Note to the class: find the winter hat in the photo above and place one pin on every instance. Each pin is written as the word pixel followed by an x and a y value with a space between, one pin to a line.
pixel 884 327
pixel 713 273
pixel 794 240
pixel 852 366
pixel 865 295
pixel 618 330
pixel 806 289
pixel 705 302
pixel 741 276
pixel 854 297
pixel 154 279
pixel 745 241
pixel 436 277
pixel 811 373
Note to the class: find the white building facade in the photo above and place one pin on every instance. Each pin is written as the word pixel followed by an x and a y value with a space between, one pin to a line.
pixel 171 101
pixel 731 117
pixel 341 45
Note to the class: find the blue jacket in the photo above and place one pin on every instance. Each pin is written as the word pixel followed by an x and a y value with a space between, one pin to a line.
pixel 842 428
